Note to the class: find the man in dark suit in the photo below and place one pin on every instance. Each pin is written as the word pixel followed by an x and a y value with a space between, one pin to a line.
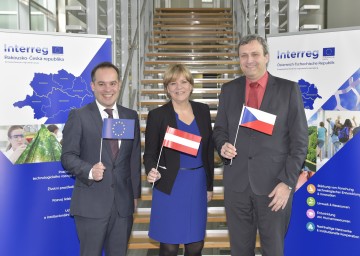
pixel 105 192
pixel 260 170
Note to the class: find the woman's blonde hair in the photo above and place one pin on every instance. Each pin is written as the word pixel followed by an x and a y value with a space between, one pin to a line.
pixel 173 72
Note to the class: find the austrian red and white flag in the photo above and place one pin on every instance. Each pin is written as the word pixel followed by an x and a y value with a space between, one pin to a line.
pixel 182 141
pixel 257 120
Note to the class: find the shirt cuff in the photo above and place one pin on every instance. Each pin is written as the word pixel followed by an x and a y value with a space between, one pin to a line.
pixel 90 175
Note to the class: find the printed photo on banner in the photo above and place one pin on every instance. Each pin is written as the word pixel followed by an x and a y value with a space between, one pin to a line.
pixel 329 132
pixel 31 143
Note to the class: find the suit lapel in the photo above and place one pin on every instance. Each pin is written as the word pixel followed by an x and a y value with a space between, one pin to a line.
pixel 198 118
pixel 98 121
pixel 170 120
pixel 240 93
pixel 171 115
pixel 95 114
pixel 268 95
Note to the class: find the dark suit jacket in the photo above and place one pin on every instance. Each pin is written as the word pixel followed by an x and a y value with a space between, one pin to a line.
pixel 81 150
pixel 263 160
pixel 157 122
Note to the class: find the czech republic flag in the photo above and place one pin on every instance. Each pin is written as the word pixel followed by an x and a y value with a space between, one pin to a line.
pixel 257 120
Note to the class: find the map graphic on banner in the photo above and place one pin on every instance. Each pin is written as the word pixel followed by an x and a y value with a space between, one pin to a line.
pixel 54 75
pixel 45 76
pixel 326 206
pixel 56 94
pixel 309 93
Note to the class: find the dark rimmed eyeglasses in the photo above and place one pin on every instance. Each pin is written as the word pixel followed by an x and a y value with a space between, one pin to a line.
pixel 17 136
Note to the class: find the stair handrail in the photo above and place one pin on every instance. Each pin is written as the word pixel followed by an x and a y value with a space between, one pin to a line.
pixel 135 46
pixel 238 11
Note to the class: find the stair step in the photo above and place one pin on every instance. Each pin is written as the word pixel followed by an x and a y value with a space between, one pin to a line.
pixel 188 40
pixel 196 81
pixel 215 214
pixel 193 10
pixel 192 47
pixel 220 26
pixel 196 71
pixel 213 239
pixel 194 62
pixel 192 32
pixel 198 20
pixel 146 193
pixel 191 54
pixel 191 14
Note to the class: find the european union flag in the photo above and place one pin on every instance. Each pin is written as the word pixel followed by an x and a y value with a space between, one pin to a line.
pixel 118 128
pixel 329 51
pixel 58 50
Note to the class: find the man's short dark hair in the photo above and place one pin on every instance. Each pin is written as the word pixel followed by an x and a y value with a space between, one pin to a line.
pixel 254 37
pixel 52 127
pixel 105 64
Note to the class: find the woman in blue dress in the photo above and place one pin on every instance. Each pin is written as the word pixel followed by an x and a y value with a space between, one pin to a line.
pixel 183 183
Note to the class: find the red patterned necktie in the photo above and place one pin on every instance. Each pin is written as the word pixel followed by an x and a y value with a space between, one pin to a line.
pixel 253 98
pixel 114 144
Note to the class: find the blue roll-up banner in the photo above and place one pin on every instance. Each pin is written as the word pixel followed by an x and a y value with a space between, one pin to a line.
pixel 326 208
pixel 43 77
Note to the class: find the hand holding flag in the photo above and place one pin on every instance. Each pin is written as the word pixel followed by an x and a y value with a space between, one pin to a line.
pixel 153 176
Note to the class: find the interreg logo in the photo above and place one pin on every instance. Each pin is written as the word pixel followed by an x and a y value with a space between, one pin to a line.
pixel 298 54
pixel 33 49
pixel 25 49
pixel 312 54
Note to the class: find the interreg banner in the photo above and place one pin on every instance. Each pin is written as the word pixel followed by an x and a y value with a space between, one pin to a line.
pixel 43 77
pixel 326 208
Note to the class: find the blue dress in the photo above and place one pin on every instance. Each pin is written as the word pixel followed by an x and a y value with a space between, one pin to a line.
pixel 180 218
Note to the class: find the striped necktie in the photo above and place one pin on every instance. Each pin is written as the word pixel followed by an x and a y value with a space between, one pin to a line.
pixel 114 144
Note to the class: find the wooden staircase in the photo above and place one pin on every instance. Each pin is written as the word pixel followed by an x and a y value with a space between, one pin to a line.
pixel 203 39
